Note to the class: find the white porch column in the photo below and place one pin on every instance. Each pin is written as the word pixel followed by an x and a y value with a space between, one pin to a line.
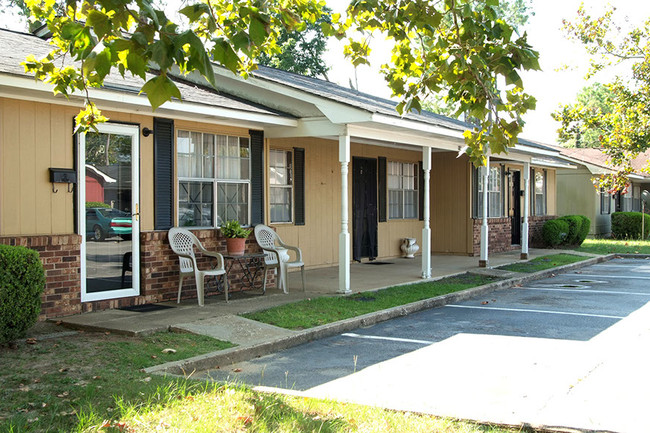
pixel 344 236
pixel 524 225
pixel 483 261
pixel 426 230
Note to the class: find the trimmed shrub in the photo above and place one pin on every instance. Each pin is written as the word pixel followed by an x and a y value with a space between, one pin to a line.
pixel 627 225
pixel 575 225
pixel 22 280
pixel 554 232
pixel 584 231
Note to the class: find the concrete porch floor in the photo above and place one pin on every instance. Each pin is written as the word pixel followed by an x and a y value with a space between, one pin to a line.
pixel 319 282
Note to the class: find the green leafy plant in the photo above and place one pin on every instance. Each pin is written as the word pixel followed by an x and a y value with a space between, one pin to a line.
pixel 554 232
pixel 575 226
pixel 232 229
pixel 90 204
pixel 627 225
pixel 584 229
pixel 22 280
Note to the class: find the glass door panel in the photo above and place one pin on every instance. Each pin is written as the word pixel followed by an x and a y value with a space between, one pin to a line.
pixel 108 212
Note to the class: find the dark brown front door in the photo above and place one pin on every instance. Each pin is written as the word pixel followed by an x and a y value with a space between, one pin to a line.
pixel 364 208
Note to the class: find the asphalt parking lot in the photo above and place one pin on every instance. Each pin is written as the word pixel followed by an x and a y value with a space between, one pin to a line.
pixel 520 355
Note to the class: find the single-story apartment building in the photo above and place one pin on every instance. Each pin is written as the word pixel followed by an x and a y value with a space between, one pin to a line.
pixel 580 195
pixel 337 172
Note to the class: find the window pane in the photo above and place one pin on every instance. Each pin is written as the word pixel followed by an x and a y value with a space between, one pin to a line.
pixel 395 204
pixel 208 155
pixel 232 202
pixel 410 204
pixel 195 204
pixel 280 203
pixel 494 206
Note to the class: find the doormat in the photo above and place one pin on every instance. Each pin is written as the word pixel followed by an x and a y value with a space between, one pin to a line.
pixel 145 308
pixel 376 262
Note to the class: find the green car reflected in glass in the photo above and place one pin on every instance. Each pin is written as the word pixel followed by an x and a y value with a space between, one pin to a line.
pixel 103 223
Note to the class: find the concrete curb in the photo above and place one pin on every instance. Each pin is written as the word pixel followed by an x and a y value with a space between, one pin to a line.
pixel 237 354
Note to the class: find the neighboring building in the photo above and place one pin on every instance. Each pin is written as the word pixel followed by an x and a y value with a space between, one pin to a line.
pixel 579 195
pixel 337 172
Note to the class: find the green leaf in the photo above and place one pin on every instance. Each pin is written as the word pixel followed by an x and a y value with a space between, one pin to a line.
pixel 71 30
pixel 257 31
pixel 159 90
pixel 99 22
pixel 195 11
pixel 103 63
pixel 136 65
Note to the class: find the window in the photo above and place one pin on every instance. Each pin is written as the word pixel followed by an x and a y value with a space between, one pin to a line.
pixel 402 190
pixel 281 182
pixel 495 202
pixel 605 202
pixel 540 192
pixel 636 199
pixel 213 179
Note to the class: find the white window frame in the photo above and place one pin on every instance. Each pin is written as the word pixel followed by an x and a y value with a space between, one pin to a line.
pixel 288 154
pixel 543 194
pixel 402 191
pixel 605 202
pixel 495 192
pixel 214 179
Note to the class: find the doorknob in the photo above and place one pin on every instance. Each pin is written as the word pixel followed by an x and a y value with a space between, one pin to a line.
pixel 136 214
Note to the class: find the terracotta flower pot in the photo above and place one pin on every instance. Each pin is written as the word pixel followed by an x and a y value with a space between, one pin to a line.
pixel 236 246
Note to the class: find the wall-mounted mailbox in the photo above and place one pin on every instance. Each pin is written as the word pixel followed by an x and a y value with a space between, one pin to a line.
pixel 63 175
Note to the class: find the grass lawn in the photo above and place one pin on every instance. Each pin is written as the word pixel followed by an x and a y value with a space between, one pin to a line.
pixel 608 246
pixel 544 262
pixel 319 311
pixel 92 382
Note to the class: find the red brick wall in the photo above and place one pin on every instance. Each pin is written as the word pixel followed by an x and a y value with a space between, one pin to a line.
pixel 60 255
pixel 535 224
pixel 500 234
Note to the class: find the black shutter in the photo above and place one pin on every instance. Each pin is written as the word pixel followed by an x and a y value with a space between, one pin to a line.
pixel 382 194
pixel 421 191
pixel 257 177
pixel 299 186
pixel 163 153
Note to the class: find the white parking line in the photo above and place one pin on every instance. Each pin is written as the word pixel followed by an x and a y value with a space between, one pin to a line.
pixel 523 310
pixel 611 276
pixel 607 292
pixel 376 337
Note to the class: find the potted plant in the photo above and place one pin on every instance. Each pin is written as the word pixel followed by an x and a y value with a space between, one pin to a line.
pixel 235 237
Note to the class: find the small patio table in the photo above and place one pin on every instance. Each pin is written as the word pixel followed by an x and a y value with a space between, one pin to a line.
pixel 251 266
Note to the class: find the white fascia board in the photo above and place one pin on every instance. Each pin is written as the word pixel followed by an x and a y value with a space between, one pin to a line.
pixel 551 164
pixel 417 126
pixel 415 138
pixel 593 169
pixel 131 102
pixel 511 157
pixel 534 151
pixel 308 127
pixel 337 112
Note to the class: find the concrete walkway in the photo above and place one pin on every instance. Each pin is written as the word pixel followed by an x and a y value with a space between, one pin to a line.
pixel 220 319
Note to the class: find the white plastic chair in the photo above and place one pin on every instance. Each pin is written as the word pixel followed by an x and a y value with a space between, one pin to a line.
pixel 183 243
pixel 277 256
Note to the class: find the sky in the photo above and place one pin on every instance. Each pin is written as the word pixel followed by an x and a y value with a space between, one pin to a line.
pixel 553 86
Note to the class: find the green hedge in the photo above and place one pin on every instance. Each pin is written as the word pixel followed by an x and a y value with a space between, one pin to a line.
pixel 575 225
pixel 22 280
pixel 567 230
pixel 627 225
pixel 555 232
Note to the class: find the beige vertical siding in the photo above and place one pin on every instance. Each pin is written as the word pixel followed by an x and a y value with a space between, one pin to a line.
pixel 319 236
pixel 451 204
pixel 35 136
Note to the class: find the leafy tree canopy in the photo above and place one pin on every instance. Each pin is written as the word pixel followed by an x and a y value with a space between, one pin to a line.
pixel 301 52
pixel 593 102
pixel 460 45
pixel 623 127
